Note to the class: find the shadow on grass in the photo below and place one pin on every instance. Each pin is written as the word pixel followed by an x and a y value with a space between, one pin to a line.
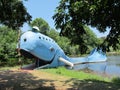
pixel 10 80
pixel 91 84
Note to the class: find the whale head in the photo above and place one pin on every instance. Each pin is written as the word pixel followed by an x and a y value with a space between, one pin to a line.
pixel 37 45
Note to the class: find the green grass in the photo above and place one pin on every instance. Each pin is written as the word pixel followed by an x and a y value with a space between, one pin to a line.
pixel 75 74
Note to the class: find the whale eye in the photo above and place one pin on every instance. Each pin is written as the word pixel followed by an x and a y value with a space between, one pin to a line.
pixel 39 37
pixel 25 39
pixel 51 49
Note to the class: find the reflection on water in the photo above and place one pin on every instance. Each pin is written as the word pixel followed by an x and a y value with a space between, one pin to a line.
pixel 111 67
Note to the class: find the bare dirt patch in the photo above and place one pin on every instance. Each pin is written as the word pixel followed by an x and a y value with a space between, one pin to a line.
pixel 33 80
pixel 38 80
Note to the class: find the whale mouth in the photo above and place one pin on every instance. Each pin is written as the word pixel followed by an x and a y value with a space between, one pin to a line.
pixel 26 54
pixel 38 62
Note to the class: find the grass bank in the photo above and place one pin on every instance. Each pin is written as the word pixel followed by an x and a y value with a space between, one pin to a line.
pixel 75 74
pixel 113 53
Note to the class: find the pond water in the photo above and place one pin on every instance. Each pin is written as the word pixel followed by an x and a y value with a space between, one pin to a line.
pixel 110 68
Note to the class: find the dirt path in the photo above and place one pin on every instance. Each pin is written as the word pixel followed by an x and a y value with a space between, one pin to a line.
pixel 38 80
pixel 33 80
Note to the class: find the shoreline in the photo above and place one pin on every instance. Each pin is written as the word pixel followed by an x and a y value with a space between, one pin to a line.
pixel 112 53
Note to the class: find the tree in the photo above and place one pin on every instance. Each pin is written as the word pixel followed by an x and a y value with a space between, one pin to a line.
pixel 91 39
pixel 13 13
pixel 63 42
pixel 8 40
pixel 72 15
pixel 41 24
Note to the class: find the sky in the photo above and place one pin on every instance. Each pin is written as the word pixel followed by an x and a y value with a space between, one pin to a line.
pixel 46 9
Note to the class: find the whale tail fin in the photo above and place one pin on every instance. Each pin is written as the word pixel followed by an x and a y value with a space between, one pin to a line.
pixel 96 55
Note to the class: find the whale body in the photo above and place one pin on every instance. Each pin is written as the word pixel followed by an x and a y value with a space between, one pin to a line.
pixel 47 52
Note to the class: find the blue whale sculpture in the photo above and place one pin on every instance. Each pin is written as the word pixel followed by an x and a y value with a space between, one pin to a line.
pixel 48 53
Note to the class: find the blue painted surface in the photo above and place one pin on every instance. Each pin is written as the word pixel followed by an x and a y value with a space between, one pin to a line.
pixel 46 49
